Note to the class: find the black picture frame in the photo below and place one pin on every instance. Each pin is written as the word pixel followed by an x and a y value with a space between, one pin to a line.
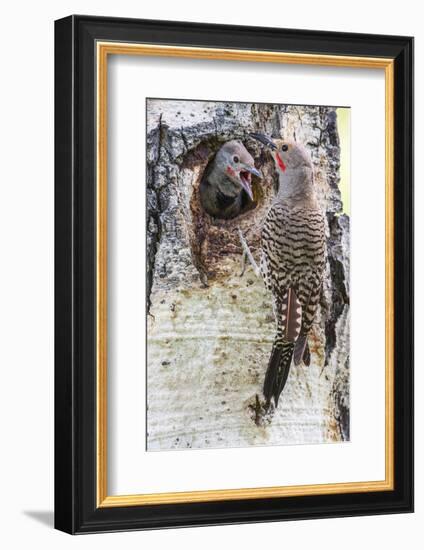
pixel 76 508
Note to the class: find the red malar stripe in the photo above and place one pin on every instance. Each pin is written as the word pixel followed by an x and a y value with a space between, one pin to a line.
pixel 280 162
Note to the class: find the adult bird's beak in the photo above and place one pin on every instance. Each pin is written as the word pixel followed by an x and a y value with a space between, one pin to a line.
pixel 253 170
pixel 264 139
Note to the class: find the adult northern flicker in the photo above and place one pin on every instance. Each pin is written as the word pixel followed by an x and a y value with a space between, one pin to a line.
pixel 292 260
pixel 226 187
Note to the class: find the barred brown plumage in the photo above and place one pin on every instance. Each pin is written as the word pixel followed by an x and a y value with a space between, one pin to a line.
pixel 292 261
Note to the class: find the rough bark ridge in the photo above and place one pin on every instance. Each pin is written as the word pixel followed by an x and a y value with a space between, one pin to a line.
pixel 210 331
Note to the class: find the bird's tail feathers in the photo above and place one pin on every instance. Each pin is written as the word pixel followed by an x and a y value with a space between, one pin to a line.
pixel 278 370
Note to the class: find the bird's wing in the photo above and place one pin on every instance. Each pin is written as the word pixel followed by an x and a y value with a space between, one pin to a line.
pixel 309 291
pixel 208 170
pixel 290 316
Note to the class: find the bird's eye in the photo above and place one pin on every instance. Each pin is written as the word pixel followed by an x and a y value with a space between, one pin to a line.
pixel 236 159
pixel 285 147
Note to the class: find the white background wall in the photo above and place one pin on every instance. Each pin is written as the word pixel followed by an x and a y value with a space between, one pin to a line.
pixel 26 275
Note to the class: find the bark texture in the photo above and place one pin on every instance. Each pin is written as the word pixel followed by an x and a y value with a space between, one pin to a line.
pixel 210 331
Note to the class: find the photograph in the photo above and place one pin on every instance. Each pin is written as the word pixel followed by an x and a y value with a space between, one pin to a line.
pixel 247 274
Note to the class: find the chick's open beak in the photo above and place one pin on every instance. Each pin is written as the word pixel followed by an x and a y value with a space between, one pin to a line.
pixel 246 178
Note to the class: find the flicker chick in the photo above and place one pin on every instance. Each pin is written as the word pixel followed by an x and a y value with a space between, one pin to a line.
pixel 226 186
pixel 292 260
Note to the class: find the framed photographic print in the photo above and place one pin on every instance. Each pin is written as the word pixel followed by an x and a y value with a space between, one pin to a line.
pixel 234 267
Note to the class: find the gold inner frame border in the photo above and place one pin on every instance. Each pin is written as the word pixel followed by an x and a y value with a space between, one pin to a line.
pixel 103 50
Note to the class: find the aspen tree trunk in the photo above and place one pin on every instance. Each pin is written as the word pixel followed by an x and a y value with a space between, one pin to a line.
pixel 210 331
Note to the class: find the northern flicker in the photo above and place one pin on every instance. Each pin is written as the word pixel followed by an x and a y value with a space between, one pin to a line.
pixel 292 260
pixel 226 186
